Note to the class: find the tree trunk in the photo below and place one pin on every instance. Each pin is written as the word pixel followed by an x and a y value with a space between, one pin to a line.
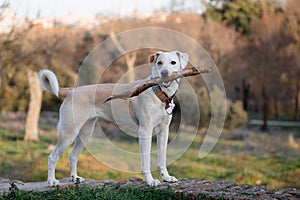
pixel 130 61
pixel 130 58
pixel 264 127
pixel 276 112
pixel 246 94
pixel 297 96
pixel 32 119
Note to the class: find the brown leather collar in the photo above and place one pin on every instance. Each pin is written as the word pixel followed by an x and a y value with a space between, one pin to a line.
pixel 161 95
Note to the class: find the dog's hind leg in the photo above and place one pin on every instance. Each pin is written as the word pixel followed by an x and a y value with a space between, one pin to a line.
pixel 80 143
pixel 62 144
pixel 67 132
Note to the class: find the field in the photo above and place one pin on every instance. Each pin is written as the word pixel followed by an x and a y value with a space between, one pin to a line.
pixel 244 156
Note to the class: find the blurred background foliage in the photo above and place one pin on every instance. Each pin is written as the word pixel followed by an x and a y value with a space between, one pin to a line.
pixel 255 45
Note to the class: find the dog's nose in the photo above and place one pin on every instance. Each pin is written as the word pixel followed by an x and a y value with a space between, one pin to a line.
pixel 164 73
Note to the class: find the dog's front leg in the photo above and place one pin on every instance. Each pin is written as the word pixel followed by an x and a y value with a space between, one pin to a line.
pixel 145 136
pixel 162 142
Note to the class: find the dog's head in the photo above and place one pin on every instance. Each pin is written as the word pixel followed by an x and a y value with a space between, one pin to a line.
pixel 165 63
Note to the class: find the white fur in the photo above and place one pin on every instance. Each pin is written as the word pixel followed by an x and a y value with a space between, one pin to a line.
pixel 79 112
pixel 51 85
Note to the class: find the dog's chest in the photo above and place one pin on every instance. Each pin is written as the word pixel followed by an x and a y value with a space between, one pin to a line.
pixel 153 109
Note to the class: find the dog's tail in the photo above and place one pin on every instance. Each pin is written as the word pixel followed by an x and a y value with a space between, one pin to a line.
pixel 49 81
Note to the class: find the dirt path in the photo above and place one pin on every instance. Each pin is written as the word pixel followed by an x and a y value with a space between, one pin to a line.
pixel 193 188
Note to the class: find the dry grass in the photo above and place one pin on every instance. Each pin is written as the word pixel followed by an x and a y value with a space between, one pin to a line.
pixel 244 156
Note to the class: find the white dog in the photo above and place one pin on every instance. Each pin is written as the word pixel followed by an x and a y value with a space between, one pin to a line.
pixel 151 110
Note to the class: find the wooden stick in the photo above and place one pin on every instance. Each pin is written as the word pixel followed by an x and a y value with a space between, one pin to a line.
pixel 155 81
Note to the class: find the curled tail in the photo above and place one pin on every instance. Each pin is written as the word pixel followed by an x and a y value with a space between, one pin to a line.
pixel 49 81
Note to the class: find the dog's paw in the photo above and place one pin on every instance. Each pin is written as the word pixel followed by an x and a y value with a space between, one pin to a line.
pixel 170 179
pixel 53 182
pixel 77 179
pixel 153 182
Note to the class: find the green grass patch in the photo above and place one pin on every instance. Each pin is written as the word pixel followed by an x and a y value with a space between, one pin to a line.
pixel 272 117
pixel 108 192
pixel 246 158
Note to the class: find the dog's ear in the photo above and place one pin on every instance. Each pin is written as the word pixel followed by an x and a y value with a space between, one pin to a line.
pixel 183 59
pixel 152 58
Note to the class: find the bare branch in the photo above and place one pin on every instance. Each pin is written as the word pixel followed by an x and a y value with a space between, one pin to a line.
pixel 116 42
pixel 129 58
pixel 147 84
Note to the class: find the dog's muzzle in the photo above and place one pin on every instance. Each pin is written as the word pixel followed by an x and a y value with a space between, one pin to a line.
pixel 166 83
pixel 165 74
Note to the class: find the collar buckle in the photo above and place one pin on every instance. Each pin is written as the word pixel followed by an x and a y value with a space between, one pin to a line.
pixel 161 95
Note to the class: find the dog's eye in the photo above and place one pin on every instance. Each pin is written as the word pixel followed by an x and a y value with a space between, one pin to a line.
pixel 173 62
pixel 159 63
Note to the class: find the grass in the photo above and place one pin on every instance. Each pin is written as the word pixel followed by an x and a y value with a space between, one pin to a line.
pixel 108 192
pixel 243 156
pixel 273 117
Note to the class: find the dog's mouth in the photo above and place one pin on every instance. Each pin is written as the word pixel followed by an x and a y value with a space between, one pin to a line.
pixel 166 83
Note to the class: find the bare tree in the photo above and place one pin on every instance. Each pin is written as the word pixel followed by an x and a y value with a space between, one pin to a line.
pixel 265 49
pixel 130 58
pixel 292 28
pixel 12 70
pixel 32 119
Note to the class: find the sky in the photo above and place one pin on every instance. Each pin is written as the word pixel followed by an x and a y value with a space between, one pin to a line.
pixel 87 8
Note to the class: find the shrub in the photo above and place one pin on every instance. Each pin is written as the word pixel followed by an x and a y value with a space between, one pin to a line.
pixel 235 114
